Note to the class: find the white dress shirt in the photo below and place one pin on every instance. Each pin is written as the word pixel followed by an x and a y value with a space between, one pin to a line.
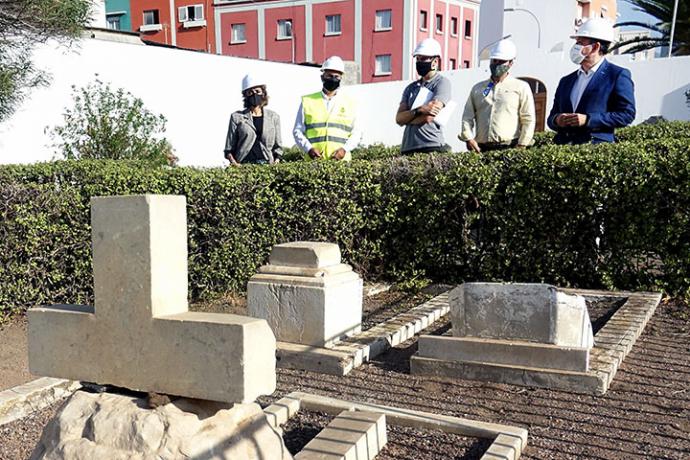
pixel 583 79
pixel 299 129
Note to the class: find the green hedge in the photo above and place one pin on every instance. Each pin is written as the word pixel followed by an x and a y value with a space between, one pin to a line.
pixel 522 215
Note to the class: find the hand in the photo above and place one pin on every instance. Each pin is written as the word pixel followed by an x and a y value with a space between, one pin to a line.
pixel 472 146
pixel 339 154
pixel 313 153
pixel 571 120
pixel 432 108
pixel 232 160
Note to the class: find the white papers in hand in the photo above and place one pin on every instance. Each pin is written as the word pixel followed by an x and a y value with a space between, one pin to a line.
pixel 424 96
pixel 445 113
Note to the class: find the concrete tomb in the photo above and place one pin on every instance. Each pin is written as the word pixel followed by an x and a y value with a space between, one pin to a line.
pixel 497 325
pixel 307 295
pixel 140 336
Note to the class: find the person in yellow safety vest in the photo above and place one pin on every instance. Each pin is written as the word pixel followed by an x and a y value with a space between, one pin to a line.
pixel 326 124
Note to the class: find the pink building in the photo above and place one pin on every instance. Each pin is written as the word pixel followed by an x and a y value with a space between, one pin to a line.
pixel 379 35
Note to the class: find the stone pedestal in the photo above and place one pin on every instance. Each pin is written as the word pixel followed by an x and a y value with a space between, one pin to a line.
pixel 116 427
pixel 306 295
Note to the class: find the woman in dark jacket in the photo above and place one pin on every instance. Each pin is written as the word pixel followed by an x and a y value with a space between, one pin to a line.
pixel 253 133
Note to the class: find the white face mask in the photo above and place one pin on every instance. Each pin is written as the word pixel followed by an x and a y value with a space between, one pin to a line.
pixel 576 54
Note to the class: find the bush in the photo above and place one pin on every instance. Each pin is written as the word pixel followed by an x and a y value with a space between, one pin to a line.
pixel 517 215
pixel 111 124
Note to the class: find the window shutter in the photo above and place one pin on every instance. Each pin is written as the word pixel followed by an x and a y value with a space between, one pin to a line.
pixel 182 13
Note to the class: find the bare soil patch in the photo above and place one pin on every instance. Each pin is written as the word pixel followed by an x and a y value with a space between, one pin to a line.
pixel 14 366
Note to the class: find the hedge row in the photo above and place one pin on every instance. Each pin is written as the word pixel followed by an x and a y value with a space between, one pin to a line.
pixel 590 216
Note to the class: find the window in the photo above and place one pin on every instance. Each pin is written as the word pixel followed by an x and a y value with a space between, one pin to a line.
pixel 453 64
pixel 113 21
pixel 423 20
pixel 284 28
pixel 383 20
pixel 383 64
pixel 439 23
pixel 454 27
pixel 466 64
pixel 151 17
pixel 333 24
pixel 238 35
pixel 468 28
pixel 191 13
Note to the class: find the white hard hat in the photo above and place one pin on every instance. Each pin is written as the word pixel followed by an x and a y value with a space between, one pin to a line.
pixel 333 63
pixel 504 50
pixel 250 81
pixel 597 29
pixel 428 47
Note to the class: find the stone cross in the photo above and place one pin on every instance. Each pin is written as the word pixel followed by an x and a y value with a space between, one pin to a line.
pixel 140 334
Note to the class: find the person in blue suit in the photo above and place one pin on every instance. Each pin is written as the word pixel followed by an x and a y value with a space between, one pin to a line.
pixel 597 98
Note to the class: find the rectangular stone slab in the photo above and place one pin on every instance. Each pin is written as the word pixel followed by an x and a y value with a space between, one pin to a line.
pixel 352 435
pixel 139 335
pixel 512 353
pixel 307 254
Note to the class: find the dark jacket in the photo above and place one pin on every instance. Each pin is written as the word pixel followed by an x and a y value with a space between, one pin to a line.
pixel 242 135
pixel 608 101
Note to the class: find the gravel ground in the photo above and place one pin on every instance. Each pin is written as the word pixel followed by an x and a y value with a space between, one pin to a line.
pixel 645 414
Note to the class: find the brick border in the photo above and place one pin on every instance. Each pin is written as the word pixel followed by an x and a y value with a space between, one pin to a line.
pixel 22 400
pixel 509 441
pixel 360 348
pixel 612 344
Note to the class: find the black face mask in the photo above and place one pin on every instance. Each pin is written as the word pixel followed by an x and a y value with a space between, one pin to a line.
pixel 254 100
pixel 330 83
pixel 423 67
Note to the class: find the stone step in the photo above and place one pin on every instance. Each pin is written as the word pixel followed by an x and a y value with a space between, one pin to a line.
pixel 352 435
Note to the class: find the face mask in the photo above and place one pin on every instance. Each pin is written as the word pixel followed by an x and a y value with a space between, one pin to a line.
pixel 255 100
pixel 423 67
pixel 498 70
pixel 330 83
pixel 576 54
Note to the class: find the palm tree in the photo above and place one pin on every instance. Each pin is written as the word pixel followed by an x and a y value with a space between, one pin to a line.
pixel 662 12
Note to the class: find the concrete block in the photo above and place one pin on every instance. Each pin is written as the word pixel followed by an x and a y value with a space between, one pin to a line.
pixel 309 254
pixel 525 312
pixel 313 304
pixel 352 435
pixel 512 353
pixel 140 335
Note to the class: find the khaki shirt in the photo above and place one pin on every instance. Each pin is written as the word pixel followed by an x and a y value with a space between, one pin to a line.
pixel 504 114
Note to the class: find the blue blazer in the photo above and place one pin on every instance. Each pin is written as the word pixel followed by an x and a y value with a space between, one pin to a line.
pixel 608 101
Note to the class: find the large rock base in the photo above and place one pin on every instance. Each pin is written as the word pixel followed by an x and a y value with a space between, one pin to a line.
pixel 116 427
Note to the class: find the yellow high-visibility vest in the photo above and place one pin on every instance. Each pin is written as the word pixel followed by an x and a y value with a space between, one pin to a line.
pixel 326 131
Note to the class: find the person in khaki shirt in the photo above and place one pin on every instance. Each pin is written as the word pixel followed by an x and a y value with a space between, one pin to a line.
pixel 499 113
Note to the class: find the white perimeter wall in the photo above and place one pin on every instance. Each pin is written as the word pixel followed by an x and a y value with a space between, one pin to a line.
pixel 197 92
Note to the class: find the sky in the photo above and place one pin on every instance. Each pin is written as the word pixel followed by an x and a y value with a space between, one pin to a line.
pixel 627 13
